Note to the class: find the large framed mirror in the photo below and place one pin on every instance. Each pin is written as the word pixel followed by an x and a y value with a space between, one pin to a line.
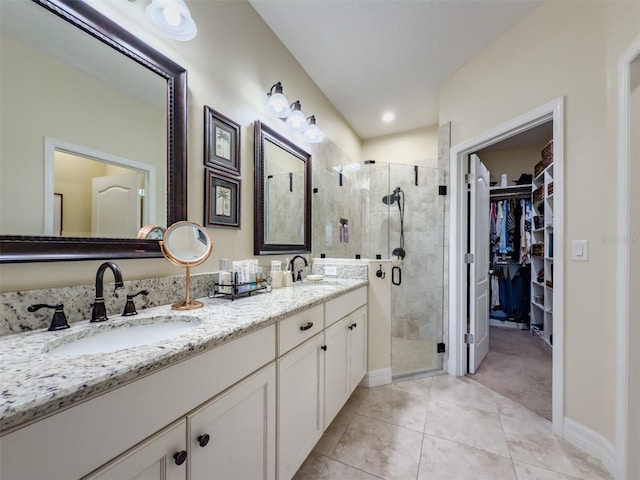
pixel 105 98
pixel 282 194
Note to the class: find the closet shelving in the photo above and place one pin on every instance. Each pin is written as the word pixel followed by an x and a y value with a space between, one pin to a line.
pixel 498 193
pixel 542 247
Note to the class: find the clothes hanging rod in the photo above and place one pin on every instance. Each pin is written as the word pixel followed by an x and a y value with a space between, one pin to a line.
pixel 505 196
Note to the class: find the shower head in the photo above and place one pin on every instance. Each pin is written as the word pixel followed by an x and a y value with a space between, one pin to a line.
pixel 392 197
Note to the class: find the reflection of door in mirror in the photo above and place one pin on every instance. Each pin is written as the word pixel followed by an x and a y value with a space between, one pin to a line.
pixel 284 196
pixel 56 81
pixel 105 196
pixel 116 205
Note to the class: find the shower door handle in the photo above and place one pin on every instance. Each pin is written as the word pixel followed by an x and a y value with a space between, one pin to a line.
pixel 396 275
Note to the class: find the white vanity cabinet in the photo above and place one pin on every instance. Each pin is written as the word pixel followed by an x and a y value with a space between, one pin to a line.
pixel 251 408
pixel 161 457
pixel 317 377
pixel 234 435
pixel 345 360
pixel 300 404
pixel 80 439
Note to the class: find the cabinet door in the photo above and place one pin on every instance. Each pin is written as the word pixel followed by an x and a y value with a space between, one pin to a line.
pixel 336 369
pixel 357 347
pixel 300 404
pixel 234 435
pixel 154 459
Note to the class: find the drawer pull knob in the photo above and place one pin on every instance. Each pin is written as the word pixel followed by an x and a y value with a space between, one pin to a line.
pixel 324 347
pixel 180 457
pixel 203 440
pixel 352 326
pixel 306 327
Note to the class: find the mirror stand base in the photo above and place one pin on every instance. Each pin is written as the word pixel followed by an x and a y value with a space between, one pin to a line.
pixel 187 305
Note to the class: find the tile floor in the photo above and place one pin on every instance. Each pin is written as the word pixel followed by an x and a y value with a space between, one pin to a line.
pixel 439 428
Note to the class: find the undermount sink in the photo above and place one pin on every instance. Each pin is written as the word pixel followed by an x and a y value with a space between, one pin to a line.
pixel 108 338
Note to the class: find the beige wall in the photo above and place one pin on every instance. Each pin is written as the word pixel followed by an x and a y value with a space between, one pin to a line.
pixel 413 147
pixel 565 49
pixel 231 64
pixel 512 161
pixel 97 122
pixel 634 277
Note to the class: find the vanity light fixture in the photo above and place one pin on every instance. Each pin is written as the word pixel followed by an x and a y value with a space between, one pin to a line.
pixel 172 18
pixel 313 134
pixel 296 120
pixel 278 105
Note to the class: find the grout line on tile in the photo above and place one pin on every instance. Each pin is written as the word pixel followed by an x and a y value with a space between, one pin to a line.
pixel 351 466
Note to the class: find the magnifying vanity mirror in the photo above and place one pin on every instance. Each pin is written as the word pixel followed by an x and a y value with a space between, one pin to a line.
pixel 186 244
pixel 282 194
pixel 81 94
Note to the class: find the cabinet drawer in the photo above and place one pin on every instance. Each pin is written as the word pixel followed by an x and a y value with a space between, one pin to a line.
pixel 344 305
pixel 299 327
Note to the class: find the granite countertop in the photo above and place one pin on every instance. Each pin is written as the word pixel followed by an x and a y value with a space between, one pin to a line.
pixel 35 383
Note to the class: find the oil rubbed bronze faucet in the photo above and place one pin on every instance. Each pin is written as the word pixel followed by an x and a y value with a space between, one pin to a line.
pixel 99 312
pixel 298 277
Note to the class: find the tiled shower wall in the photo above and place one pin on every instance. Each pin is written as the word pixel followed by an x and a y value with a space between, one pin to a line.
pixel 286 211
pixel 418 303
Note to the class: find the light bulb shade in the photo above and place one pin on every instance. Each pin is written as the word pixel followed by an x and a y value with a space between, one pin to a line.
pixel 313 134
pixel 172 18
pixel 278 105
pixel 296 120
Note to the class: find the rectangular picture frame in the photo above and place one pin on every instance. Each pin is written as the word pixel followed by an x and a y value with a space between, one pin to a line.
pixel 222 200
pixel 221 142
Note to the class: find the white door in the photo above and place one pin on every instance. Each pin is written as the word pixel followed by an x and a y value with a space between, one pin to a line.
pixel 479 224
pixel 116 210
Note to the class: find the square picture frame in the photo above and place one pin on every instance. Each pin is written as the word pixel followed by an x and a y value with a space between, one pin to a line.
pixel 222 200
pixel 221 142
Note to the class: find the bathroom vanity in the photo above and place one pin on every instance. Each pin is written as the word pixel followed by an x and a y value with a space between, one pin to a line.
pixel 245 394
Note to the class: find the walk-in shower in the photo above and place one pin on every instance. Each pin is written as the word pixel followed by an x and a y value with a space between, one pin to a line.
pixel 407 226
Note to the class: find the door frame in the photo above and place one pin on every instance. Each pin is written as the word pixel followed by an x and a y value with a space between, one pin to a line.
pixel 622 298
pixel 457 359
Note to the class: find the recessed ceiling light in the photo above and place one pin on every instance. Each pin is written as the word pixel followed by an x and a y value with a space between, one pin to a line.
pixel 388 117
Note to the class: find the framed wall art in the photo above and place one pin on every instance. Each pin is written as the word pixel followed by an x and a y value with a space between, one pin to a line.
pixel 222 200
pixel 221 142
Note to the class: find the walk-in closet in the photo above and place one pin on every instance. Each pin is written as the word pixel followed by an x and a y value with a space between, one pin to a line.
pixel 519 362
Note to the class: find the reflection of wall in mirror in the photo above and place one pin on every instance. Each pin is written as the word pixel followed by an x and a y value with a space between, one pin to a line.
pixel 95 121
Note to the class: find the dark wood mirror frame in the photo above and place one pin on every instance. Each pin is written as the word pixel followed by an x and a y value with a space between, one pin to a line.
pixel 19 248
pixel 260 247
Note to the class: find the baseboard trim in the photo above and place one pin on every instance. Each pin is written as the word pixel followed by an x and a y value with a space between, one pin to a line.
pixel 376 378
pixel 591 443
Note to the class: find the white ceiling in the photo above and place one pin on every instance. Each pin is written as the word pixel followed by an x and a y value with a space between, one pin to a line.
pixel 374 56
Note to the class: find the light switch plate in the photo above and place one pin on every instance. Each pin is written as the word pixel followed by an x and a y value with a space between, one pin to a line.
pixel 331 270
pixel 580 250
